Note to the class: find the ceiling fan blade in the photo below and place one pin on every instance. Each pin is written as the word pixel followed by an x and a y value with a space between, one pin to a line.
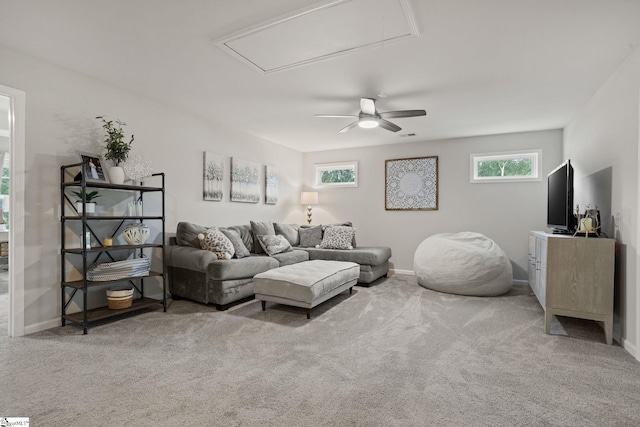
pixel 368 106
pixel 403 113
pixel 336 115
pixel 351 126
pixel 384 124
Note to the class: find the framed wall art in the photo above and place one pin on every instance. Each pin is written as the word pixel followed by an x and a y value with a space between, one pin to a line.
pixel 213 176
pixel 411 184
pixel 244 181
pixel 271 185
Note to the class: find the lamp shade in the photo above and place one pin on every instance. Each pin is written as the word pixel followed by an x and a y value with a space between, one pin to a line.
pixel 309 198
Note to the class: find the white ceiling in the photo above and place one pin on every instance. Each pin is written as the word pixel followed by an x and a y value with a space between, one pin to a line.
pixel 478 67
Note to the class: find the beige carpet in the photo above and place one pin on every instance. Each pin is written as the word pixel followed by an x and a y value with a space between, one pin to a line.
pixel 394 354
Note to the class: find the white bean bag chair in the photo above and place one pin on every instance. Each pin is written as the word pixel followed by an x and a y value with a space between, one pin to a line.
pixel 464 263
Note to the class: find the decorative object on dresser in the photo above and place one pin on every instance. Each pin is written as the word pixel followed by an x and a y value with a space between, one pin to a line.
pixel 309 198
pixel 117 150
pixel 411 184
pixel 245 186
pixel 213 176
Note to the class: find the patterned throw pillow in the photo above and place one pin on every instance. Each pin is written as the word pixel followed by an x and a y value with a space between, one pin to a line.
pixel 215 241
pixel 274 244
pixel 338 237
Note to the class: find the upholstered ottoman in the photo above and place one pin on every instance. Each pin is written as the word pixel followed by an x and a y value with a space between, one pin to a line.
pixel 305 284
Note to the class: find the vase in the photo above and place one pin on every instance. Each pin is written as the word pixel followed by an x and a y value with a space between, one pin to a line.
pixel 116 175
pixel 136 234
pixel 91 208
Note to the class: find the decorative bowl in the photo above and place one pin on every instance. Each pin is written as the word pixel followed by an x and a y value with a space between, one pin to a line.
pixel 136 234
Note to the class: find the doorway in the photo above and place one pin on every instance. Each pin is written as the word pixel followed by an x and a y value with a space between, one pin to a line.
pixel 12 151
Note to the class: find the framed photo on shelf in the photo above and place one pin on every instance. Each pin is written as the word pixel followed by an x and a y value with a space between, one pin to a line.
pixel 94 167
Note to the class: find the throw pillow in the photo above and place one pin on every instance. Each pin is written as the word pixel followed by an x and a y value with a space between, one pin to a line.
pixel 238 245
pixel 274 244
pixel 310 237
pixel 261 229
pixel 338 237
pixel 346 224
pixel 289 231
pixel 215 241
pixel 187 234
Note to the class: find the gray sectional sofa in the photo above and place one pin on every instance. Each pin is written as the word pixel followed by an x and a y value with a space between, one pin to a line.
pixel 198 274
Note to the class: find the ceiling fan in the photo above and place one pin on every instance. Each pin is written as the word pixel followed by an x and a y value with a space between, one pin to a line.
pixel 370 118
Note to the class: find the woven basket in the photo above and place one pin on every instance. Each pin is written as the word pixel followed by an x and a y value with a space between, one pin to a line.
pixel 118 303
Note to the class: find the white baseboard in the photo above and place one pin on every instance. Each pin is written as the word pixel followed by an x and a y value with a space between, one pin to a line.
pixel 631 349
pixel 42 326
pixel 404 272
pixel 413 273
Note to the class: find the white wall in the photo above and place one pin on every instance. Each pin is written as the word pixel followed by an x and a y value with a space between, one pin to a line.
pixel 61 107
pixel 503 211
pixel 603 140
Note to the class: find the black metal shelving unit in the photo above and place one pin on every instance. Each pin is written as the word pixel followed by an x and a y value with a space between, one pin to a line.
pixel 70 288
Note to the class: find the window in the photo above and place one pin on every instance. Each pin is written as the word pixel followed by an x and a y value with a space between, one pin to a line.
pixel 344 174
pixel 506 167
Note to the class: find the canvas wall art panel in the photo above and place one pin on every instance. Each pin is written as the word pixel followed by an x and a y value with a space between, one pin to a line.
pixel 244 181
pixel 271 185
pixel 213 176
pixel 411 184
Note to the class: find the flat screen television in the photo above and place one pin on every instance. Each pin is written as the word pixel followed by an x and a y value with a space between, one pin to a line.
pixel 560 217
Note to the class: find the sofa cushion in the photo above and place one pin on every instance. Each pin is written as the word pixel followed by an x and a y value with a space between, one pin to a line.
pixel 273 245
pixel 245 233
pixel 289 231
pixel 338 237
pixel 292 257
pixel 261 229
pixel 238 245
pixel 362 255
pixel 215 241
pixel 187 234
pixel 234 269
pixel 310 236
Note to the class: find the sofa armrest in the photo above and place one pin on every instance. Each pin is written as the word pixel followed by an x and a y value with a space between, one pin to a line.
pixel 189 258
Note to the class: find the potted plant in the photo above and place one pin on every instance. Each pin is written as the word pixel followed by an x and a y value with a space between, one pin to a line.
pixel 117 150
pixel 89 197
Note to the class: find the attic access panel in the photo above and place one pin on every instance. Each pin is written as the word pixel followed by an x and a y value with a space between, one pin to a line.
pixel 322 32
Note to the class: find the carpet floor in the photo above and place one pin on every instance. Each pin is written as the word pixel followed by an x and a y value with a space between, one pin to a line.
pixel 393 354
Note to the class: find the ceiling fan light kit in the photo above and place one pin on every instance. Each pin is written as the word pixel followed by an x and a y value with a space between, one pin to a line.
pixel 369 118
pixel 368 123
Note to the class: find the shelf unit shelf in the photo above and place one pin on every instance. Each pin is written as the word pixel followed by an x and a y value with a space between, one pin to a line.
pixel 101 313
pixel 79 284
pixel 78 251
pixel 89 255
